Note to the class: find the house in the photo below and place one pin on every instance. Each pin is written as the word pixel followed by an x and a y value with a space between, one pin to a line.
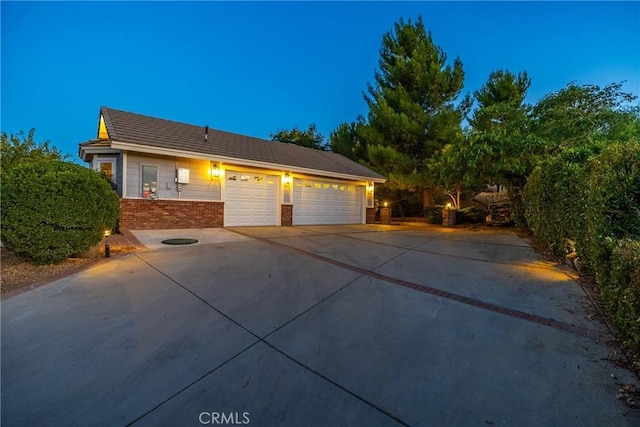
pixel 176 175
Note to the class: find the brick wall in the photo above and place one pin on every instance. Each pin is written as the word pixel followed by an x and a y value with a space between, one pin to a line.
pixel 371 215
pixel 286 215
pixel 144 214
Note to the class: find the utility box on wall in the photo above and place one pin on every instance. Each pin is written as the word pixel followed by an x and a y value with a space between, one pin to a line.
pixel 183 176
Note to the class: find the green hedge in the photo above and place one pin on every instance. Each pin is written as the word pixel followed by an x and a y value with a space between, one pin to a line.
pixel 621 295
pixel 612 208
pixel 53 209
pixel 555 197
pixel 593 199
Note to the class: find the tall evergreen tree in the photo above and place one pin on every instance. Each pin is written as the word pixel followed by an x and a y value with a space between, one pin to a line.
pixel 412 104
pixel 500 145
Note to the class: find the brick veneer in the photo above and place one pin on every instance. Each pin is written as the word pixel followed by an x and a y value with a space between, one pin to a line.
pixel 145 214
pixel 371 215
pixel 286 215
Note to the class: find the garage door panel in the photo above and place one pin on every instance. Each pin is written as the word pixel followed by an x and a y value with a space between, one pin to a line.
pixel 250 199
pixel 324 202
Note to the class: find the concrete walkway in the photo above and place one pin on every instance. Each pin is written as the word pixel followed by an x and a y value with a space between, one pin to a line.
pixel 322 325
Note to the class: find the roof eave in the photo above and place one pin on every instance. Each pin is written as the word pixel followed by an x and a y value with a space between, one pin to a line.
pixel 236 160
pixel 87 152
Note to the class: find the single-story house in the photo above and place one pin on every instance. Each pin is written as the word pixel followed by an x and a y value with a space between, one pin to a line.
pixel 176 175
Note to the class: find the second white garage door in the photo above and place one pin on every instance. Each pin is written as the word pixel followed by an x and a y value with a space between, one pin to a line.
pixel 324 202
pixel 250 199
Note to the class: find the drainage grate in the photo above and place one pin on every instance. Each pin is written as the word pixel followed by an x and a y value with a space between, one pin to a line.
pixel 180 241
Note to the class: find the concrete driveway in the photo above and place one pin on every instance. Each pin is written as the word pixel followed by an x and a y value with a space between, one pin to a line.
pixel 340 325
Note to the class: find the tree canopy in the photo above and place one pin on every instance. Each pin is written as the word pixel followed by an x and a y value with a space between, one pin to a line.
pixel 17 148
pixel 411 105
pixel 412 111
pixel 309 138
pixel 346 140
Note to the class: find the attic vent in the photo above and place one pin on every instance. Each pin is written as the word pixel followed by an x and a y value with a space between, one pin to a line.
pixel 206 133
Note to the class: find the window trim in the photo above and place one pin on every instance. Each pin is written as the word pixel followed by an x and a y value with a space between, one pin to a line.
pixel 141 188
pixel 114 171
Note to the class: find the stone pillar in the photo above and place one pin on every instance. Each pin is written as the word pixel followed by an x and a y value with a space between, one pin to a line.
pixel 448 217
pixel 286 215
pixel 371 216
pixel 385 215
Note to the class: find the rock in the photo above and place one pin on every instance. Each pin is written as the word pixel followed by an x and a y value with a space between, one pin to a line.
pixel 569 259
pixel 579 266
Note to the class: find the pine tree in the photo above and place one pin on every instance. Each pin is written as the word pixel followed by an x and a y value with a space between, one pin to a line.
pixel 412 104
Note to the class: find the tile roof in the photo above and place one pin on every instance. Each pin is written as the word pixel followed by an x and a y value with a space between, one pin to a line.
pixel 125 127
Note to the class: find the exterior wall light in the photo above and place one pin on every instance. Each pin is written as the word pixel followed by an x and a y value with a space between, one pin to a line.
pixel 286 179
pixel 215 170
pixel 385 204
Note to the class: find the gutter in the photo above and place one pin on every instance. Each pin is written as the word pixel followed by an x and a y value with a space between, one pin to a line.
pixel 126 146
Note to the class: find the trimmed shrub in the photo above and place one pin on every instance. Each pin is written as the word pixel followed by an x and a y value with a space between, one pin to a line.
pixel 53 209
pixel 555 198
pixel 621 295
pixel 612 208
pixel 433 214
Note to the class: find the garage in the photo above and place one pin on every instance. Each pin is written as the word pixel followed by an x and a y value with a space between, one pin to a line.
pixel 213 178
pixel 250 199
pixel 326 202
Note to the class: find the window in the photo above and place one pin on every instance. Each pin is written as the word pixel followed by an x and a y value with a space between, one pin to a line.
pixel 150 182
pixel 108 168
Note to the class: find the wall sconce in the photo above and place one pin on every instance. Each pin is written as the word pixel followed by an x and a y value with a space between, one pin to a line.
pixel 215 170
pixel 370 188
pixel 286 179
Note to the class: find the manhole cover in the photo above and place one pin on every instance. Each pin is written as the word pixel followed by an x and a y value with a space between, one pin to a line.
pixel 181 241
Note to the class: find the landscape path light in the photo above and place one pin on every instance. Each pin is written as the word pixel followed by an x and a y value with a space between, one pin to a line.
pixel 107 248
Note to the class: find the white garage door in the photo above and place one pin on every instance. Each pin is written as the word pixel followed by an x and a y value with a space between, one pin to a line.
pixel 325 202
pixel 250 199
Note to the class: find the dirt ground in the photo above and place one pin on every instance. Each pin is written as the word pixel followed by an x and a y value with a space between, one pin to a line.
pixel 18 273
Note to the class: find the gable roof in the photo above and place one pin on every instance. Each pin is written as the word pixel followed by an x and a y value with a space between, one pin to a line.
pixel 129 130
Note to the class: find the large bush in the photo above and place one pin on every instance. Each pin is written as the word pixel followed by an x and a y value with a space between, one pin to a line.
pixel 555 197
pixel 612 210
pixel 595 201
pixel 52 209
pixel 621 295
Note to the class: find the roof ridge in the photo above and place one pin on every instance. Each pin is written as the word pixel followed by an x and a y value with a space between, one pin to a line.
pixel 153 117
pixel 132 128
pixel 211 129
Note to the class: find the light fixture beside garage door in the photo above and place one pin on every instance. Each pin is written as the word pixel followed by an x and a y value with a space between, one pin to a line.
pixel 215 170
pixel 370 189
pixel 286 188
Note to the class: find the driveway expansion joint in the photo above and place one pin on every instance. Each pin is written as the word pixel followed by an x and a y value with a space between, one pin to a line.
pixel 268 344
pixel 544 321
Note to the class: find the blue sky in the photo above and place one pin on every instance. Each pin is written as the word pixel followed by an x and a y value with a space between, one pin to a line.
pixel 256 68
